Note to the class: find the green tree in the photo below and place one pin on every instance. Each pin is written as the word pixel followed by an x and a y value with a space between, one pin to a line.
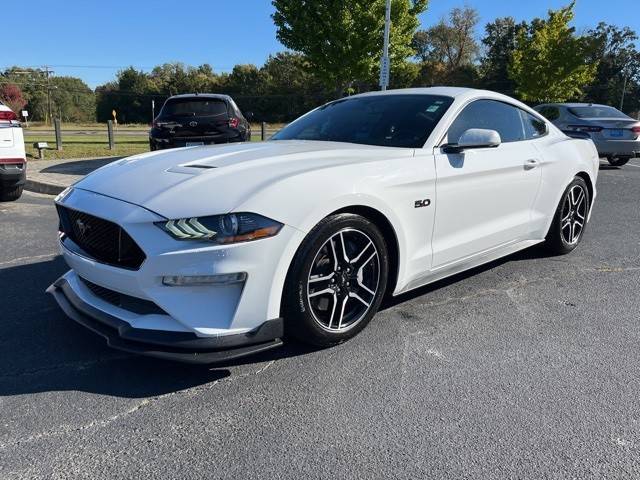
pixel 450 42
pixel 499 43
pixel 342 39
pixel 551 63
pixel 72 100
pixel 33 84
pixel 618 66
pixel 448 50
pixel 246 80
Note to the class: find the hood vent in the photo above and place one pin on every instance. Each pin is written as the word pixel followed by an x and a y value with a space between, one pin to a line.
pixel 200 166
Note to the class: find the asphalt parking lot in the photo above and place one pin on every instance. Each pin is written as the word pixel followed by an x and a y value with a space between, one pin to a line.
pixel 526 368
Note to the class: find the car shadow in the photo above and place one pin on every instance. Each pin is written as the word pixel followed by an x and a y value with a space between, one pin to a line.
pixel 43 350
pixel 532 253
pixel 79 167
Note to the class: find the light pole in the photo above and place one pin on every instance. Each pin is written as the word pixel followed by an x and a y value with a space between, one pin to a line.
pixel 624 90
pixel 384 62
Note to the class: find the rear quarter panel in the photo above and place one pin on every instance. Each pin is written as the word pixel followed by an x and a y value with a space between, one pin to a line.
pixel 562 159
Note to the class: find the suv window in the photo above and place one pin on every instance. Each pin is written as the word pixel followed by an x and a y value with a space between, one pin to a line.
pixel 549 112
pixel 194 107
pixel 533 126
pixel 489 115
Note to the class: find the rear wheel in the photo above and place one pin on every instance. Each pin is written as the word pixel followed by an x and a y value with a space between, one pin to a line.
pixel 336 282
pixel 618 161
pixel 570 218
pixel 11 194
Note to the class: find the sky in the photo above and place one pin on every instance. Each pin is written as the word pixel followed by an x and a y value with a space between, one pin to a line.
pixel 94 39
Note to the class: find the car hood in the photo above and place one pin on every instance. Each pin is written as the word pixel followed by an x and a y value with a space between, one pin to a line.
pixel 209 180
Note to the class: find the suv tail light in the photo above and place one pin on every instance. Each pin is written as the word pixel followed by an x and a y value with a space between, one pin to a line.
pixel 585 128
pixel 234 122
pixel 8 115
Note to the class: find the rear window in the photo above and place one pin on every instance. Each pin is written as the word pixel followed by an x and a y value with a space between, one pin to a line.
pixel 194 107
pixel 597 112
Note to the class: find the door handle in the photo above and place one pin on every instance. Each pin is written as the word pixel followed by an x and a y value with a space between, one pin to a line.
pixel 530 164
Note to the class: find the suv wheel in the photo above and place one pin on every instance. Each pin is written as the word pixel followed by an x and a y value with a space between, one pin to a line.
pixel 11 194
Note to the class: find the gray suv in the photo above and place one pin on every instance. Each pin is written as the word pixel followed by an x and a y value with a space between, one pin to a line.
pixel 616 135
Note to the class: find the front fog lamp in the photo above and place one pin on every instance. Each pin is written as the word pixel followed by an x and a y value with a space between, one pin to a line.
pixel 201 280
pixel 222 229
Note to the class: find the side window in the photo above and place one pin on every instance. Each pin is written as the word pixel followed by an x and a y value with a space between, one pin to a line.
pixel 550 113
pixel 489 115
pixel 533 127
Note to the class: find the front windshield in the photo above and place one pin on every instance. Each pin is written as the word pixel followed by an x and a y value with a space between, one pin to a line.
pixel 597 111
pixel 383 120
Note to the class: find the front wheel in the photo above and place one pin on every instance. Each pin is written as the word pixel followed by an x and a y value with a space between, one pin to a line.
pixel 336 282
pixel 570 218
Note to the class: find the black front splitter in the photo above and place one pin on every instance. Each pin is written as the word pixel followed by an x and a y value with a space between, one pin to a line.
pixel 176 346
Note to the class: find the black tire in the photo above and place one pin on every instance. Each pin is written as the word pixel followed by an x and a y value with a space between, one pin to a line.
pixel 11 194
pixel 617 161
pixel 564 236
pixel 313 321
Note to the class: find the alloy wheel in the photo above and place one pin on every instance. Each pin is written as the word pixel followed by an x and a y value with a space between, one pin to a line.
pixel 574 214
pixel 343 280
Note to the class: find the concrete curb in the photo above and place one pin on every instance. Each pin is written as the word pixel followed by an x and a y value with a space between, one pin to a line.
pixel 40 187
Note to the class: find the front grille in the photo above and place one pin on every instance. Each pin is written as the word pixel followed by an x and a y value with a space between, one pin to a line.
pixel 127 302
pixel 100 239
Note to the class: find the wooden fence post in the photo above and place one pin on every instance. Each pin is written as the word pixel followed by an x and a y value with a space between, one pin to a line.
pixel 110 134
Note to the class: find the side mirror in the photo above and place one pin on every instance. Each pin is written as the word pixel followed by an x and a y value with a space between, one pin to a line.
pixel 474 138
pixel 248 116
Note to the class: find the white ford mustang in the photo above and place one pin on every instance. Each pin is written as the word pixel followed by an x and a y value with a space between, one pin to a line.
pixel 204 254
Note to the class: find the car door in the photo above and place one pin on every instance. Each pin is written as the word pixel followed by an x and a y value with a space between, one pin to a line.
pixel 485 195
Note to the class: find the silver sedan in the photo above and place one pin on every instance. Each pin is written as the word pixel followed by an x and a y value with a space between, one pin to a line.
pixel 616 135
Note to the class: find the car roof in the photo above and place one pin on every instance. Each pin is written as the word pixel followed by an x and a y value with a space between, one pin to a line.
pixel 573 105
pixel 460 93
pixel 218 96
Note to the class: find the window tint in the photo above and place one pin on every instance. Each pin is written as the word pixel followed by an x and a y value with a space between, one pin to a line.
pixel 533 126
pixel 194 106
pixel 597 111
pixel 384 120
pixel 550 113
pixel 489 115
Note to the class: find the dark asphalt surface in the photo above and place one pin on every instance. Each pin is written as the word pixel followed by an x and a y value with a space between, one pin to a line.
pixel 526 368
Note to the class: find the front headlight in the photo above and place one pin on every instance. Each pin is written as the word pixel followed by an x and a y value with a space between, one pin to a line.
pixel 222 229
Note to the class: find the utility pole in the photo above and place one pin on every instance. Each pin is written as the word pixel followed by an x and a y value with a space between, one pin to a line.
pixel 624 90
pixel 384 62
pixel 47 72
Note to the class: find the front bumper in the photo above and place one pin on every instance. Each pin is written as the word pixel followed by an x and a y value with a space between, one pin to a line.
pixel 223 314
pixel 178 346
